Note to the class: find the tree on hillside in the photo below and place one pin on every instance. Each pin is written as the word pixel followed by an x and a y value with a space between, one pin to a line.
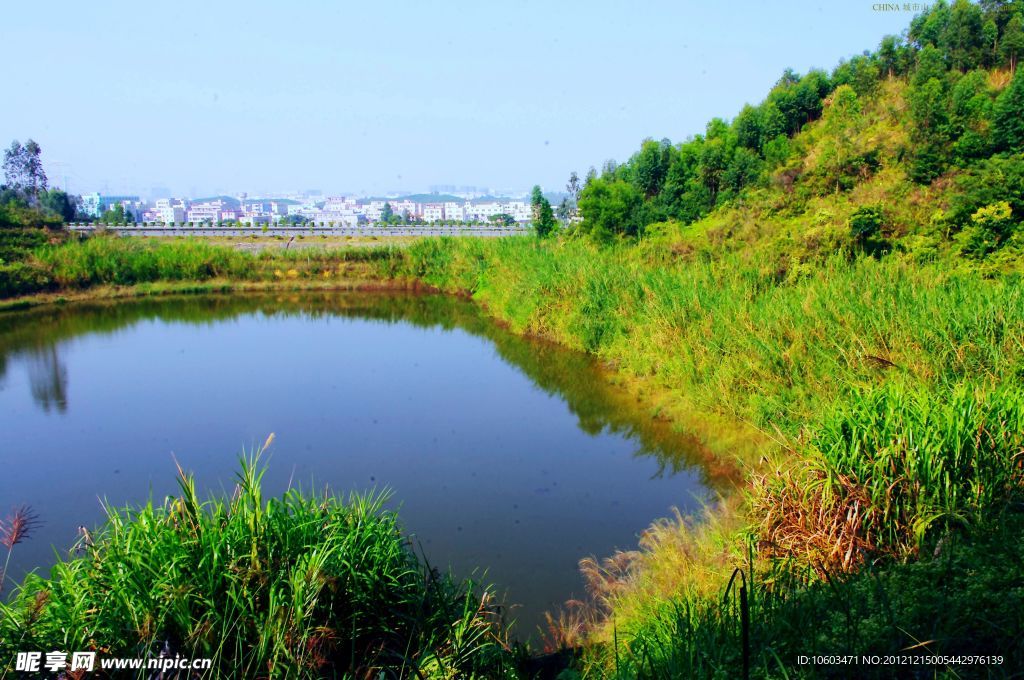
pixel 713 163
pixel 23 169
pixel 1011 46
pixel 744 169
pixel 892 56
pixel 543 216
pixel 929 134
pixel 773 123
pixel 747 126
pixel 573 186
pixel 564 210
pixel 963 38
pixel 970 117
pixel 651 166
pixel 990 33
pixel 861 73
pixel 842 121
pixel 611 207
pixel 570 203
pixel 931 63
pixel 1008 118
pixel 928 27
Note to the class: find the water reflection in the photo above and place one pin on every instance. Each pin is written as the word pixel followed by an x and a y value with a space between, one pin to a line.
pixel 48 378
pixel 504 453
pixel 36 337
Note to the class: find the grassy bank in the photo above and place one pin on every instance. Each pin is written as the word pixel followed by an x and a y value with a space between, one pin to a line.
pixel 888 395
pixel 298 586
pixel 72 265
pixel 734 335
pixel 873 405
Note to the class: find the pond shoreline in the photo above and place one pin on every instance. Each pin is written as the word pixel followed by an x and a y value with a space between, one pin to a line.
pixel 611 304
pixel 729 454
pixel 627 393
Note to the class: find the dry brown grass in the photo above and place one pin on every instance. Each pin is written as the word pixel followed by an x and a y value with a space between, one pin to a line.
pixel 15 529
pixel 676 556
pixel 819 527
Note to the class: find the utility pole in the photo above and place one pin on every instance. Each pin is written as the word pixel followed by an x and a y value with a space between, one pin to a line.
pixel 62 170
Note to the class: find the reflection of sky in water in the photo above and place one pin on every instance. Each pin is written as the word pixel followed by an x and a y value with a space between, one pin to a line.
pixel 500 459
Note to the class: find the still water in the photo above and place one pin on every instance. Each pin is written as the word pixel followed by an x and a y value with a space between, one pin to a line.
pixel 502 453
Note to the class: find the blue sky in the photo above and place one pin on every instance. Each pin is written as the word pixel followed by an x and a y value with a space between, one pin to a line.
pixel 225 96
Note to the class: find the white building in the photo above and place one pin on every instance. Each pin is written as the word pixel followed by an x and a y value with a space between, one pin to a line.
pixel 210 212
pixel 454 212
pixel 433 212
pixel 166 210
pixel 483 211
pixel 96 204
pixel 521 211
pixel 340 204
pixel 333 218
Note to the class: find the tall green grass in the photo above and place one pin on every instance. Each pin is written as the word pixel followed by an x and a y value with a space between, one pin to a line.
pixel 735 334
pixel 890 468
pixel 76 264
pixel 892 388
pixel 295 586
pixel 125 261
pixel 894 525
pixel 964 597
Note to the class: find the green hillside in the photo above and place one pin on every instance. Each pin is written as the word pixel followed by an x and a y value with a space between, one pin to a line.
pixel 826 288
pixel 915 147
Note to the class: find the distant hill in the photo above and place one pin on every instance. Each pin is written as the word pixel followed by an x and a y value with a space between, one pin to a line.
pixel 491 199
pixel 229 200
pixel 283 201
pixel 430 198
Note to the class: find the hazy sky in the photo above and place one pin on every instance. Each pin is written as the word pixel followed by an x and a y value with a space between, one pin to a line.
pixel 225 96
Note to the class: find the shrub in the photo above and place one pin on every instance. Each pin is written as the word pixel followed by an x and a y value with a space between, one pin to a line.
pixel 20 278
pixel 991 226
pixel 295 586
pixel 890 468
pixel 865 224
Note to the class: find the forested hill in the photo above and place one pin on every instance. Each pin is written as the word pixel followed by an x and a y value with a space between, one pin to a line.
pixel 915 146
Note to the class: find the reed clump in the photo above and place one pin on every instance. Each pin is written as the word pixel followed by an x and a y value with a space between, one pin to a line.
pixel 294 586
pixel 14 529
pixel 735 333
pixel 73 263
pixel 964 596
pixel 890 468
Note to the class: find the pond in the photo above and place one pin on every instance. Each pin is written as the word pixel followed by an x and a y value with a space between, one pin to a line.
pixel 505 454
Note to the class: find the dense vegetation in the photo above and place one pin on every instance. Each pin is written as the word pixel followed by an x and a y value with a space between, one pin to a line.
pixel 958 108
pixel 296 586
pixel 39 262
pixel 838 269
pixel 838 266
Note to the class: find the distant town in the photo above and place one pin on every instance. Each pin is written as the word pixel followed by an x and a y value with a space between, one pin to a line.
pixel 454 208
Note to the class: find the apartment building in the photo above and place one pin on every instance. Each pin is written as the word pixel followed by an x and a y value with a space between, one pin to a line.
pixel 95 204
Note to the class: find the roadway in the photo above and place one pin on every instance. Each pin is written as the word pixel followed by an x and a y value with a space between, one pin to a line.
pixel 428 230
